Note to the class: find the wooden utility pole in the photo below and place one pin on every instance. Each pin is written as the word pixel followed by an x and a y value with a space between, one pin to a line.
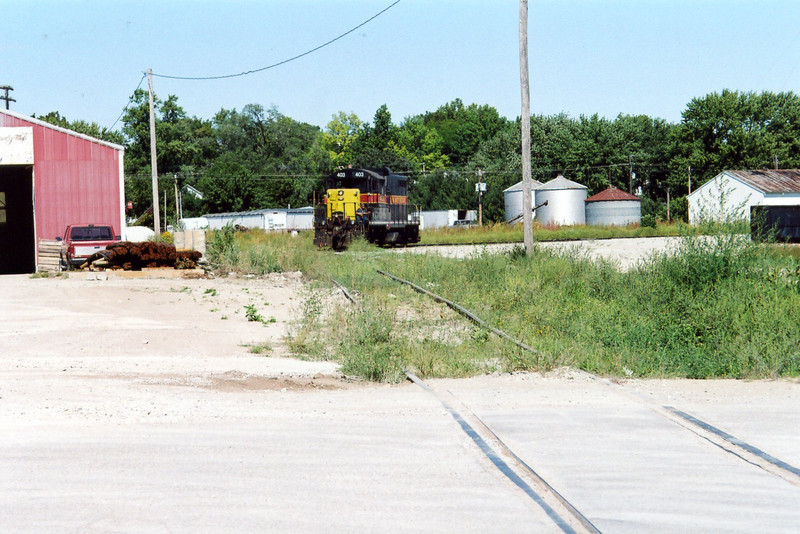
pixel 7 98
pixel 527 205
pixel 177 203
pixel 668 217
pixel 690 179
pixel 480 188
pixel 153 164
pixel 630 174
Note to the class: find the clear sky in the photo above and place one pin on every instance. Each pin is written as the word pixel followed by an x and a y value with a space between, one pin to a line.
pixel 85 58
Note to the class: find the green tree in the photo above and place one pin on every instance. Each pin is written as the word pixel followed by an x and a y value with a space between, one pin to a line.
pixel 443 189
pixel 186 145
pixel 376 146
pixel 419 145
pixel 463 128
pixel 283 159
pixel 228 186
pixel 340 136
pixel 92 129
pixel 737 130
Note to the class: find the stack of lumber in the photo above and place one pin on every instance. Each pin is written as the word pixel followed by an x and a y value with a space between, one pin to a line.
pixel 49 255
pixel 135 256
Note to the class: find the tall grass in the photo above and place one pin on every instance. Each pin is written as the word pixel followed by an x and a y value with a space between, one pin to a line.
pixel 257 252
pixel 721 306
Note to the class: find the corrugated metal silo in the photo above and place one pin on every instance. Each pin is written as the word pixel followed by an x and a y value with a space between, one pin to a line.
pixel 565 204
pixel 513 200
pixel 613 207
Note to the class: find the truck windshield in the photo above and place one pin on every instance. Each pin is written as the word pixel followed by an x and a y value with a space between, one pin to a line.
pixel 91 233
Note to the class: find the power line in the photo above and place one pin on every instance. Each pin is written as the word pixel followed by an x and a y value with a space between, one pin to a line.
pixel 200 174
pixel 128 104
pixel 285 60
pixel 455 171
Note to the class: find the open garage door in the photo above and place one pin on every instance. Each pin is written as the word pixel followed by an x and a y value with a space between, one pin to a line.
pixel 17 242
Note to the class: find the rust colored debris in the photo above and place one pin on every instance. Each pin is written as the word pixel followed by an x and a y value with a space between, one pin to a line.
pixel 134 256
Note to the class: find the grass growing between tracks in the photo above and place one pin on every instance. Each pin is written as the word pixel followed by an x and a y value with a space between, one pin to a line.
pixel 721 307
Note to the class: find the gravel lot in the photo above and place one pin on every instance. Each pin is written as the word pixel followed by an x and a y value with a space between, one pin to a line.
pixel 626 253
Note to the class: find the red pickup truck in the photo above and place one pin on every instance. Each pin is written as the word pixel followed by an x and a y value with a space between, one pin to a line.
pixel 83 240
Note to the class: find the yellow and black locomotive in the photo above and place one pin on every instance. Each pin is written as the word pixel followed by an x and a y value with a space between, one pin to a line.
pixel 368 202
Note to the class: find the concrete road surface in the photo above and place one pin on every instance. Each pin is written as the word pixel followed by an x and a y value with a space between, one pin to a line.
pixel 137 406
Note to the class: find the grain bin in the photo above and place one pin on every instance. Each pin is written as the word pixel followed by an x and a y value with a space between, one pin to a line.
pixel 613 207
pixel 513 200
pixel 565 204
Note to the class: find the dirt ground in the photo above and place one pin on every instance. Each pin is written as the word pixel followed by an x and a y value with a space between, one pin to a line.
pixel 193 331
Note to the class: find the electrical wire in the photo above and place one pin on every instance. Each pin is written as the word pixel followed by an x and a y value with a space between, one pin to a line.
pixel 245 73
pixel 128 104
pixel 454 171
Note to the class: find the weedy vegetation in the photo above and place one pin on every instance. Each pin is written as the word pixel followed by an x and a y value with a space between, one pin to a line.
pixel 259 348
pixel 720 306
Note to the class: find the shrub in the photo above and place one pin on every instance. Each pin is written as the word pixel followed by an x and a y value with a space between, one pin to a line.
pixel 222 251
pixel 367 349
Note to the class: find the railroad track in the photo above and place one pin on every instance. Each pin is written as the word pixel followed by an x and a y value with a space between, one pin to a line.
pixel 560 510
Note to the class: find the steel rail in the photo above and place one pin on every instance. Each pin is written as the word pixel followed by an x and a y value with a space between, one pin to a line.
pixel 512 472
pixel 726 442
pixel 465 312
pixel 761 457
pixel 346 293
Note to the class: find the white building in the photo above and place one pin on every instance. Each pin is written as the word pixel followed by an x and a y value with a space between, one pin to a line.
pixel 730 194
pixel 447 218
pixel 270 220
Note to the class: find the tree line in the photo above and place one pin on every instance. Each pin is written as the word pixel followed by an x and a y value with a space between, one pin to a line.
pixel 257 158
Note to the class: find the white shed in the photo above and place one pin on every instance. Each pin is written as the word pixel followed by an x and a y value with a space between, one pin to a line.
pixel 730 194
pixel 447 218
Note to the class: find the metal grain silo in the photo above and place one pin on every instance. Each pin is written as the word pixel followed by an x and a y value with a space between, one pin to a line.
pixel 513 200
pixel 613 207
pixel 565 204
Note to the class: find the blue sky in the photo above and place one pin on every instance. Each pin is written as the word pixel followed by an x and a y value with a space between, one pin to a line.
pixel 84 58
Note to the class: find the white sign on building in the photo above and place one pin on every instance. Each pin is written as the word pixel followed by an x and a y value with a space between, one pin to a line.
pixel 16 145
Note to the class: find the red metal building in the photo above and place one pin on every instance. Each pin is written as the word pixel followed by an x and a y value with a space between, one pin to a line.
pixel 50 178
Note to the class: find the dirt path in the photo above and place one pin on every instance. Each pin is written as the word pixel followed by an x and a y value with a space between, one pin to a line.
pixel 188 331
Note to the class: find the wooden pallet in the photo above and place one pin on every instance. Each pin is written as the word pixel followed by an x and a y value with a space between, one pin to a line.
pixel 49 255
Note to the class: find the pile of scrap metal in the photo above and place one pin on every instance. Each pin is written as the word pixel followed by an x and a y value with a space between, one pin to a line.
pixel 131 256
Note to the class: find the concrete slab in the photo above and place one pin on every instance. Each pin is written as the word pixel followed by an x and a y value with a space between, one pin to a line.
pixel 624 466
pixel 763 413
pixel 176 458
